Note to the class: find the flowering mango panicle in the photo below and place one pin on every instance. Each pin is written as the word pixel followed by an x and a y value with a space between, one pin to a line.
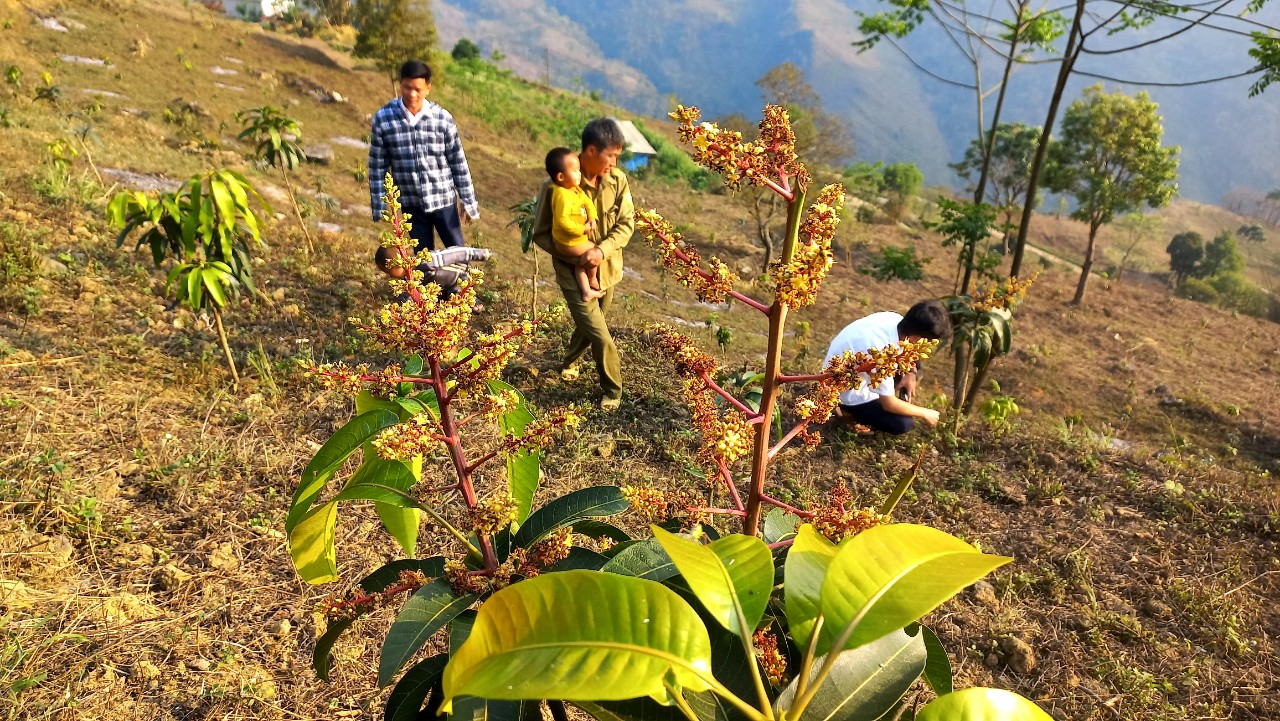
pixel 850 370
pixel 338 376
pixel 415 437
pixel 838 520
pixel 540 432
pixel 797 280
pixel 493 514
pixel 689 361
pixel 819 403
pixel 426 325
pixel 767 160
pixel 778 143
pixel 357 602
pixel 1006 295
pixel 684 261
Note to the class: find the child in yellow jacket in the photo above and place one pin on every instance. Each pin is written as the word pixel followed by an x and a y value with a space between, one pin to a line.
pixel 573 217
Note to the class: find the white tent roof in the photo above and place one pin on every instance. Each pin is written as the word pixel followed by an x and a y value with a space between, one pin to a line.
pixel 635 140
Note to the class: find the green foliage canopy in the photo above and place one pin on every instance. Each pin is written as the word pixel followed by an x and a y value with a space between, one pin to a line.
pixel 393 31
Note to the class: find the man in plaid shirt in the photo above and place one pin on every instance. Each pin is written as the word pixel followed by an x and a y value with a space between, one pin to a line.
pixel 417 142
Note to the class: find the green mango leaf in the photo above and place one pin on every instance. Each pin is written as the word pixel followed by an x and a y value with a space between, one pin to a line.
pixel 982 704
pixel 643 559
pixel 413 365
pixel 592 528
pixel 406 699
pixel 311 545
pixel 732 576
pixel 806 567
pixel 401 521
pixel 375 582
pixel 426 612
pixel 592 502
pixel 581 636
pixel 213 284
pixel 460 629
pixel 889 576
pixel 937 667
pixel 470 708
pixel 779 525
pixel 865 683
pixel 706 706
pixel 523 469
pixel 580 558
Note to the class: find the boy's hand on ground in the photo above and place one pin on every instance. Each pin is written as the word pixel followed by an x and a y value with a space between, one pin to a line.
pixel 931 417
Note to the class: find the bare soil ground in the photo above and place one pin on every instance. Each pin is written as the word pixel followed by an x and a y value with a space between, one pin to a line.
pixel 143 570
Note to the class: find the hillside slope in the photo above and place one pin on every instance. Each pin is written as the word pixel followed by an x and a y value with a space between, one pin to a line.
pixel 143 571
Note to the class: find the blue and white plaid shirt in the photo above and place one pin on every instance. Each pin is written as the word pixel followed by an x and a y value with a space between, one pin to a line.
pixel 424 156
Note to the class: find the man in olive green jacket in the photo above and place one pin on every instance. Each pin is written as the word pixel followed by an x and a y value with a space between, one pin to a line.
pixel 607 186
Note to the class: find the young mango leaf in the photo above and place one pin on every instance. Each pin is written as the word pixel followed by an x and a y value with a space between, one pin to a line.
pixel 311 546
pixel 592 502
pixel 401 521
pixel 937 667
pixel 581 636
pixel 426 611
pixel 732 577
pixel 523 469
pixel 889 576
pixel 643 559
pixel 864 683
pixel 406 699
pixel 375 582
pixel 982 704
pixel 806 567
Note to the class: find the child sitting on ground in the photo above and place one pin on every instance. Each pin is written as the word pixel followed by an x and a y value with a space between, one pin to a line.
pixel 573 218
pixel 446 268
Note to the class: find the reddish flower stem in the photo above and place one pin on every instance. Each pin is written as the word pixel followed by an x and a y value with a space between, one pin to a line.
pixel 456 454
pixel 728 481
pixel 751 302
pixel 784 506
pixel 781 544
pixel 728 397
pixel 442 489
pixel 483 460
pixel 787 438
pixel 718 511
pixel 804 379
pixel 359 601
pixel 682 256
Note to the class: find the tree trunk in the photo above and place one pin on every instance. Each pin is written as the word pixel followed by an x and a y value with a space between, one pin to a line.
pixel 958 389
pixel 1074 40
pixel 979 375
pixel 226 349
pixel 1087 265
pixel 981 190
pixel 311 248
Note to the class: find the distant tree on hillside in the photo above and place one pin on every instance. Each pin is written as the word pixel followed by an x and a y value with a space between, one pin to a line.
pixel 334 12
pixel 393 31
pixel 1009 168
pixel 902 181
pixel 1185 250
pixel 786 85
pixel 1252 232
pixel 1222 256
pixel 1135 228
pixel 464 50
pixel 1110 158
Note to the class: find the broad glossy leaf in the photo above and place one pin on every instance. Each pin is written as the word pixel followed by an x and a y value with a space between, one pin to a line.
pixel 865 682
pixel 706 706
pixel 643 559
pixel 580 635
pixel 732 576
pixel 593 502
pixel 331 456
pixel 405 700
pixel 311 544
pixel 580 558
pixel 401 521
pixel 937 667
pixel 779 525
pixel 889 576
pixel 460 628
pixel 320 658
pixel 982 704
pixel 426 612
pixel 599 529
pixel 806 567
pixel 523 469
pixel 213 284
pixel 470 708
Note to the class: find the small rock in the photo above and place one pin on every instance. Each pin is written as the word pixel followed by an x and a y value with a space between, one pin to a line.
pixel 82 60
pixel 991 661
pixel 13 594
pixel 985 594
pixel 279 628
pixel 1157 609
pixel 224 558
pixel 52 267
pixel 329 228
pixel 53 24
pixel 199 664
pixel 57 549
pixel 137 553
pixel 1018 654
pixel 170 577
pixel 320 153
pixel 349 142
pixel 336 97
pixel 1078 622
pixel 605 448
pixel 146 670
pixel 218 70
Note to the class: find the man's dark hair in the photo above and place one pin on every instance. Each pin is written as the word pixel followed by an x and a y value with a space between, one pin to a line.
pixel 927 319
pixel 602 134
pixel 415 69
pixel 555 161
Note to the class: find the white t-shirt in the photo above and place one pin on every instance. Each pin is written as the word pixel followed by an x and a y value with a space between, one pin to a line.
pixel 874 331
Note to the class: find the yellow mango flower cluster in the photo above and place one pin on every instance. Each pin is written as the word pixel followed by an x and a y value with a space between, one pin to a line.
pixel 650 503
pixel 549 551
pixel 493 514
pixel 819 403
pixel 494 405
pixel 725 437
pixel 771 659
pixel 339 376
pixel 689 360
pixel 540 432
pixel 1006 295
pixel 358 602
pixel 770 157
pixel 684 261
pixel 847 368
pixel 426 325
pixel 797 280
pixel 838 521
pixel 415 437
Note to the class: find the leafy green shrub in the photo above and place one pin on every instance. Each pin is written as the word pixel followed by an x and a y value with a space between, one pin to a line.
pixel 672 164
pixel 1198 289
pixel 897 264
pixel 464 50
pixel 1236 293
